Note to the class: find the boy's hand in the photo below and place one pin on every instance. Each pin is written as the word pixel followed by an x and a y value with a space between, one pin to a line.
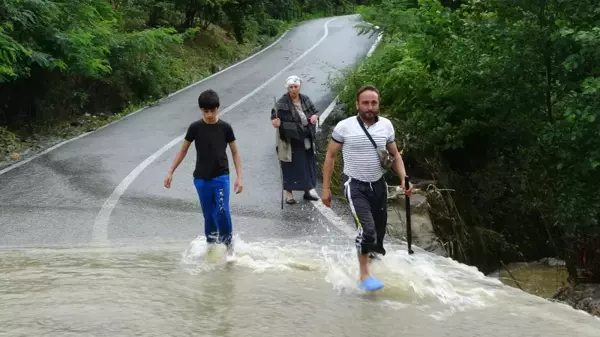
pixel 168 180
pixel 238 186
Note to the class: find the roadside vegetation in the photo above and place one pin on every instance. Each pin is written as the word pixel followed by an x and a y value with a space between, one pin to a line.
pixel 498 101
pixel 70 66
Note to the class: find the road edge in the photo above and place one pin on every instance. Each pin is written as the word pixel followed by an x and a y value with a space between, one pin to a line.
pixel 162 99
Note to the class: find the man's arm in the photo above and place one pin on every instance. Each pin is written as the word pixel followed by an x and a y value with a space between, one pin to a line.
pixel 398 163
pixel 180 155
pixel 335 144
pixel 332 149
pixel 236 159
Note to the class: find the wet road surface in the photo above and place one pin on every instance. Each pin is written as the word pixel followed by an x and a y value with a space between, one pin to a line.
pixel 139 272
pixel 55 199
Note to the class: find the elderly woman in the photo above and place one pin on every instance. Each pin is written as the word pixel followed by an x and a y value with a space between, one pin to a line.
pixel 294 116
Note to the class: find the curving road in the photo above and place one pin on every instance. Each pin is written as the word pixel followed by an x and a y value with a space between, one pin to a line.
pixel 94 191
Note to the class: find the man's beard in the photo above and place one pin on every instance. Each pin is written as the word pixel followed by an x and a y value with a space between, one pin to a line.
pixel 368 115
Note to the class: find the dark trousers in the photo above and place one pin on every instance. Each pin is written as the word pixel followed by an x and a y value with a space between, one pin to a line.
pixel 368 202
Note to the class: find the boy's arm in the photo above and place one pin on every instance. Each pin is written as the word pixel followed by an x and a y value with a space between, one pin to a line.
pixel 236 159
pixel 178 159
pixel 180 155
pixel 230 139
pixel 189 137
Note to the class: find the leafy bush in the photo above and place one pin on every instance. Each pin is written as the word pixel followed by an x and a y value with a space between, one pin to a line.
pixel 8 142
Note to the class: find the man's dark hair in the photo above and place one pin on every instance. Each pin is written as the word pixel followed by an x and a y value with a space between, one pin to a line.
pixel 366 88
pixel 208 99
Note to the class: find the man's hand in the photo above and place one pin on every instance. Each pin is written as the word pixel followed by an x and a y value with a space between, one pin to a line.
pixel 238 186
pixel 410 188
pixel 314 119
pixel 326 197
pixel 168 180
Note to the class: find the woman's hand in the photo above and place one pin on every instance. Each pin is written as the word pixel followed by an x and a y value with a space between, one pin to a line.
pixel 276 122
pixel 314 119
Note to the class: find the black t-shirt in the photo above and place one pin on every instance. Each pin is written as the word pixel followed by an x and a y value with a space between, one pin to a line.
pixel 211 142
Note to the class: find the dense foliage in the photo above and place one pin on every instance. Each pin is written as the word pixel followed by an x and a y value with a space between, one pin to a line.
pixel 61 59
pixel 500 101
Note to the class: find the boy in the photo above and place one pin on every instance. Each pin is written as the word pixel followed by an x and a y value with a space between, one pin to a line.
pixel 211 174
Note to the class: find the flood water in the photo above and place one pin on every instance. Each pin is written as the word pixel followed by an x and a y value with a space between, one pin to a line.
pixel 273 288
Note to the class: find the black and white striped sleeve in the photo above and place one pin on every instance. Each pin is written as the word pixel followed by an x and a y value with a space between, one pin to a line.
pixel 391 133
pixel 338 133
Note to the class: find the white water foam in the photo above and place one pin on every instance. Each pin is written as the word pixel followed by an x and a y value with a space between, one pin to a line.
pixel 424 281
pixel 259 257
pixel 415 280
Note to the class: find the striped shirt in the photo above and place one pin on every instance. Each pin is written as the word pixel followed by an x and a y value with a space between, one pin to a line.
pixel 361 161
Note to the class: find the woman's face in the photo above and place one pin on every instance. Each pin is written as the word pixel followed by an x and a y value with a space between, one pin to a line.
pixel 294 90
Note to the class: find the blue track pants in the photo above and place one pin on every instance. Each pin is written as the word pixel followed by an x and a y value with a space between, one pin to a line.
pixel 214 200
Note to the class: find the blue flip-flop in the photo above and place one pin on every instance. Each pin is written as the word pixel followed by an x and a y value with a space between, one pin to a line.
pixel 371 284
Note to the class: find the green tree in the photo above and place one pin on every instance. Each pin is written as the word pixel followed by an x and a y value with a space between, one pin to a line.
pixel 499 100
pixel 62 59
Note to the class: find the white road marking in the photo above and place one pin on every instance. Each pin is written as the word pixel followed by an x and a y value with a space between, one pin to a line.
pixel 25 161
pixel 326 112
pixel 333 218
pixel 99 231
pixel 327 212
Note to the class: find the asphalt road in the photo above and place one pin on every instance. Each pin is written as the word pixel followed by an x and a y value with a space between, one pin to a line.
pixel 56 198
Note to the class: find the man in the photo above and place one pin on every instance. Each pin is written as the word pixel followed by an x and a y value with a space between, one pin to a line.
pixel 364 185
pixel 211 174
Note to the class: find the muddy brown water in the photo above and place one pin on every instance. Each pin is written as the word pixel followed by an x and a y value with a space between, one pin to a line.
pixel 277 287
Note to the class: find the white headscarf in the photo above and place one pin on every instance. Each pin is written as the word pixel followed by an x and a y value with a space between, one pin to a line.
pixel 293 80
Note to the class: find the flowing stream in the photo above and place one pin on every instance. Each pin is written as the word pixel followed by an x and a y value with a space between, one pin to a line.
pixel 273 288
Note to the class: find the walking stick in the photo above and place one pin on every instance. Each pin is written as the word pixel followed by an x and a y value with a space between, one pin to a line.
pixel 408 226
pixel 279 161
pixel 281 176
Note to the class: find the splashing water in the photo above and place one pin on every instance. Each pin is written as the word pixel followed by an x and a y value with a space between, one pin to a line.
pixel 303 287
pixel 422 280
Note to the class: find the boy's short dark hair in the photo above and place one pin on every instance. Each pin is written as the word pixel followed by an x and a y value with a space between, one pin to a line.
pixel 364 88
pixel 208 99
